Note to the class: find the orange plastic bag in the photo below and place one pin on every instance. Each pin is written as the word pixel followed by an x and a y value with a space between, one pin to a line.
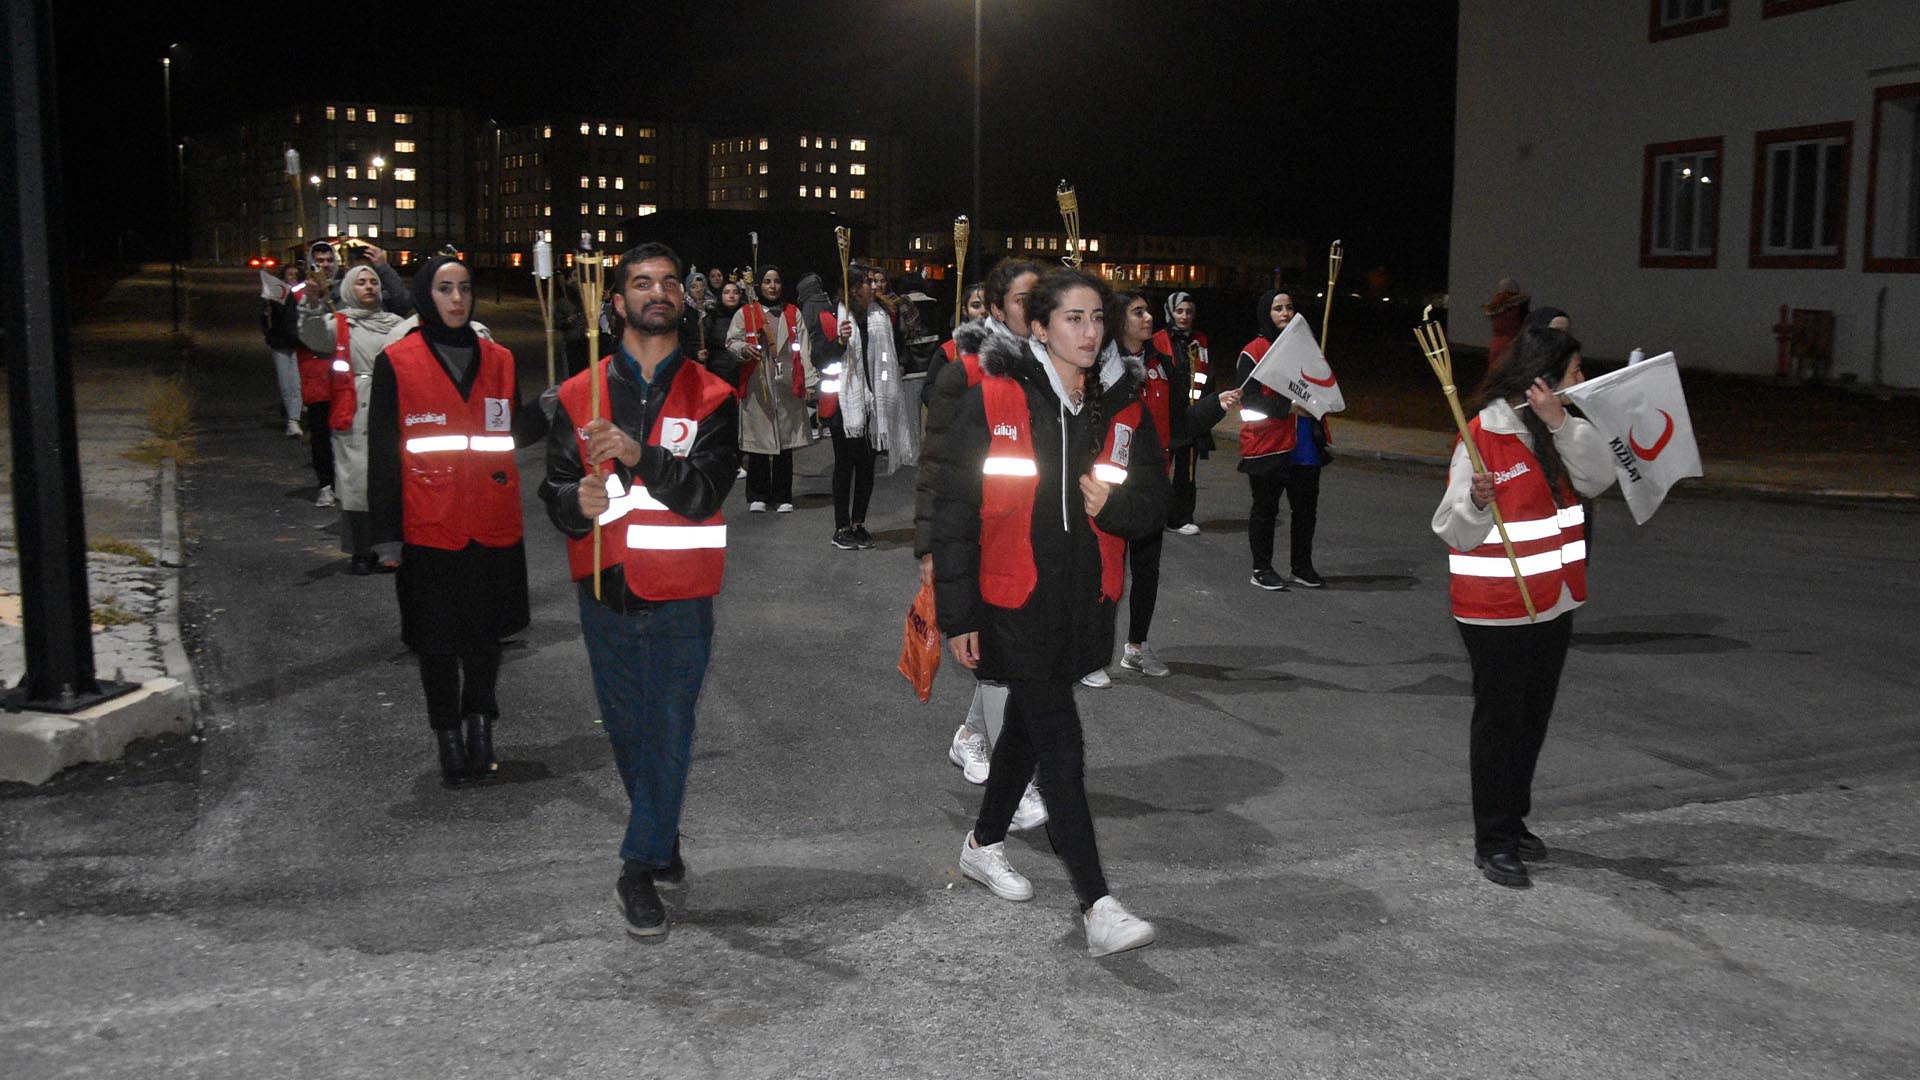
pixel 920 648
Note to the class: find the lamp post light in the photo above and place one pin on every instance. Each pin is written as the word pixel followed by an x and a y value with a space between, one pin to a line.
pixel 320 232
pixel 173 199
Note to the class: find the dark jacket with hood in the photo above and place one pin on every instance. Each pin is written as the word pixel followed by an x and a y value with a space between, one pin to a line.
pixel 1065 629
pixel 811 294
pixel 946 389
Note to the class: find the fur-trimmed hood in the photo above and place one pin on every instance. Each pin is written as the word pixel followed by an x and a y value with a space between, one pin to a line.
pixel 1004 354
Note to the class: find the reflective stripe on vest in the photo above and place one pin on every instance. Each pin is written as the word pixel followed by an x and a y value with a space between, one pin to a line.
pixel 1549 539
pixel 676 537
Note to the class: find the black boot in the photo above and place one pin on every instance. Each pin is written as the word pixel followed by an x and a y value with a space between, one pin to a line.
pixel 480 746
pixel 453 757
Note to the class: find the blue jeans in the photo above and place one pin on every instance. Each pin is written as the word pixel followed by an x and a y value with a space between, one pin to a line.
pixel 647 671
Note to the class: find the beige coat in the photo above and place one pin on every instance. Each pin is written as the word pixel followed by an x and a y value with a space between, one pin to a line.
pixel 772 418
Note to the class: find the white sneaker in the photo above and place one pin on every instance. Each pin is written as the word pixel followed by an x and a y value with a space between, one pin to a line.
pixel 783 508
pixel 1099 679
pixel 1143 661
pixel 326 501
pixel 1031 813
pixel 1189 529
pixel 969 751
pixel 740 473
pixel 988 865
pixel 756 507
pixel 293 429
pixel 1111 929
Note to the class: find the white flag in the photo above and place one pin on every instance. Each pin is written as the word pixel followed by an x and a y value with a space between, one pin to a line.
pixel 1642 413
pixel 272 288
pixel 1293 366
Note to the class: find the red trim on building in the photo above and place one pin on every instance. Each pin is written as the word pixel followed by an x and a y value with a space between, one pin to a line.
pixel 1676 262
pixel 1884 264
pixel 1756 259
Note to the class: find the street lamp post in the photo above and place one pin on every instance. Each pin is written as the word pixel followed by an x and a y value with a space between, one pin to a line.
pixel 173 201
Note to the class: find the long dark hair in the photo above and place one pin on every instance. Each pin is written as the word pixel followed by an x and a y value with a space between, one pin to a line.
pixel 1117 305
pixel 1041 304
pixel 1539 352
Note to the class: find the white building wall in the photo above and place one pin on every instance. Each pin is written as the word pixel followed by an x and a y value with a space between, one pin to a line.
pixel 1557 102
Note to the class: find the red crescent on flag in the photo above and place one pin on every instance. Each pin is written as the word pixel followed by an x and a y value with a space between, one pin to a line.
pixel 1648 453
pixel 679 430
pixel 1327 382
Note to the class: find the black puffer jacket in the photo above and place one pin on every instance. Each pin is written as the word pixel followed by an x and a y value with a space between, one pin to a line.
pixel 1065 629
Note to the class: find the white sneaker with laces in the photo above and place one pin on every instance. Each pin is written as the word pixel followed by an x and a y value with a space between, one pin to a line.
pixel 783 508
pixel 1032 811
pixel 969 751
pixel 326 501
pixel 293 429
pixel 988 865
pixel 1098 679
pixel 756 507
pixel 1111 928
pixel 1189 529
pixel 1143 661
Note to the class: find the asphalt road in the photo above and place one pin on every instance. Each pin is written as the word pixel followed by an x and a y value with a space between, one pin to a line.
pixel 1730 784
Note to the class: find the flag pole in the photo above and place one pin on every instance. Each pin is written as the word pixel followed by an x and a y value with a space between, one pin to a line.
pixel 1433 342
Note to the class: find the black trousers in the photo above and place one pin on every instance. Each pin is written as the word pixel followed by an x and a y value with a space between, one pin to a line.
pixel 1516 674
pixel 852 475
pixel 1043 728
pixel 1143 559
pixel 1301 485
pixel 575 352
pixel 1184 492
pixel 459 684
pixel 770 477
pixel 320 441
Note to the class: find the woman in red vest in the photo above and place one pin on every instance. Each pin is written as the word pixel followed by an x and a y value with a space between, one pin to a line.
pixel 1052 465
pixel 1130 322
pixel 442 426
pixel 1539 462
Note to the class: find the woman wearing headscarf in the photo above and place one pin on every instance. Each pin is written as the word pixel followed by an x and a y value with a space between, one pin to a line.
pixel 1540 461
pixel 444 421
pixel 693 319
pixel 1188 370
pixel 769 339
pixel 353 335
pixel 1282 449
pixel 726 305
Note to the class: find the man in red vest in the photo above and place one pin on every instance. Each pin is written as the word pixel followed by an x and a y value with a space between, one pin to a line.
pixel 652 467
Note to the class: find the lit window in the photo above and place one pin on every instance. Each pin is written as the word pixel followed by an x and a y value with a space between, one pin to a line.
pixel 516 256
pixel 546 211
pixel 1009 243
pixel 402 118
pixel 763 193
pixel 405 232
pixel 620 131
pixel 586 182
pixel 763 144
pixel 403 204
pixel 763 168
pixel 620 236
pixel 371 117
pixel 1802 193
pixel 856 193
pixel 1680 206
pixel 619 209
pixel 353 173
pixel 546 131
pixel 330 114
pixel 353 230
pixel 373 230
pixel 373 203
pixel 819 143
pixel 833 193
pixel 331 174
pixel 352 114
pixel 916 243
pixel 857 169
pixel 803 191
pixel 803 138
pixel 601 235
pixel 619 183
pixel 601 209
pixel 648 159
pixel 601 130
pixel 403 174
pixel 404 146
pixel 585 127
pixel 583 210
pixel 833 167
pixel 804 167
pixel 833 144
pixel 1094 246
pixel 816 192
pixel 602 181
pixel 643 133
pixel 858 146
pixel 1053 244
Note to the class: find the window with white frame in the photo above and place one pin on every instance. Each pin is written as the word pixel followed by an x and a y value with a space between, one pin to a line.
pixel 1680 206
pixel 1674 18
pixel 1800 196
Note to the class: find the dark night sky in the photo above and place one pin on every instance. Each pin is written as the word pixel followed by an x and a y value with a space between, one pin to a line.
pixel 1292 119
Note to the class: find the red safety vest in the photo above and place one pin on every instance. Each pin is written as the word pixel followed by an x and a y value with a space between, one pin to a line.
pixel 755 324
pixel 315 384
pixel 831 374
pixel 1549 538
pixel 1201 363
pixel 1010 476
pixel 458 483
pixel 340 385
pixel 1267 423
pixel 663 555
pixel 1157 392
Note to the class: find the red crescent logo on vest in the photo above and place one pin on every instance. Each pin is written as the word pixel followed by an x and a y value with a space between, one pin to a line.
pixel 680 431
pixel 1648 453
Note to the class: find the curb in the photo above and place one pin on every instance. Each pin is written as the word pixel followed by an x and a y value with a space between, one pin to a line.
pixel 35 746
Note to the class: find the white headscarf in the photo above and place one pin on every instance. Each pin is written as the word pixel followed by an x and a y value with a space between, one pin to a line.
pixel 376 319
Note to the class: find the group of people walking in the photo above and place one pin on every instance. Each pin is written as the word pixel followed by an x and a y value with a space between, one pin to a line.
pixel 1059 448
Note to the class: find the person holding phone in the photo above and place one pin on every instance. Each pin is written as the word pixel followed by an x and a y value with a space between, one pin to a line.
pixel 1539 462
